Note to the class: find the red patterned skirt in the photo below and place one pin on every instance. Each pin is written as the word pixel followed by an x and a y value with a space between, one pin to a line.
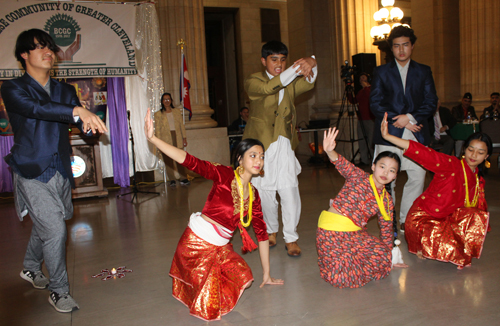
pixel 208 279
pixel 455 239
pixel 351 259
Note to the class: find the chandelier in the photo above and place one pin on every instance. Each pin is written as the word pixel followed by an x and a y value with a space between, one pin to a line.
pixel 387 18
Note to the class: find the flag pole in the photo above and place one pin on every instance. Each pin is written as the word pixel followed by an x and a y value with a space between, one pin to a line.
pixel 182 43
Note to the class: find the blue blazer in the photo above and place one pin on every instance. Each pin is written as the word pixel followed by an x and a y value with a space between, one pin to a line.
pixel 40 124
pixel 387 95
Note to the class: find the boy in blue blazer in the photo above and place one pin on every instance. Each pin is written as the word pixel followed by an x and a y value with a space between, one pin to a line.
pixel 405 90
pixel 40 109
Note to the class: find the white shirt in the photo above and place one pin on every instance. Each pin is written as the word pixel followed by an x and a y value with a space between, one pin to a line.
pixel 403 72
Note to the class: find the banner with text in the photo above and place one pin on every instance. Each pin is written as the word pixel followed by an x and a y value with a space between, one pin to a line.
pixel 96 39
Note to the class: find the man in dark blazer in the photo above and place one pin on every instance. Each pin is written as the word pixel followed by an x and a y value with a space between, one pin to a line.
pixel 440 125
pixel 405 90
pixel 40 109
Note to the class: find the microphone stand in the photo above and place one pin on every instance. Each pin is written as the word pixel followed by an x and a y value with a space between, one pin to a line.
pixel 135 190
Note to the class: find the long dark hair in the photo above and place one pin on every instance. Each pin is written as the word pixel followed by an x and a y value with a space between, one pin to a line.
pixel 390 155
pixel 485 139
pixel 243 147
pixel 171 101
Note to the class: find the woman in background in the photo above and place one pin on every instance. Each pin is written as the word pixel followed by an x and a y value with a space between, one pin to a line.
pixel 170 128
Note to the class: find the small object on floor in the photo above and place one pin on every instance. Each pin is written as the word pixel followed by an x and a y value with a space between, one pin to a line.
pixel 172 183
pixel 292 249
pixel 272 240
pixel 37 279
pixel 113 273
pixel 63 302
pixel 397 256
pixel 184 182
pixel 402 227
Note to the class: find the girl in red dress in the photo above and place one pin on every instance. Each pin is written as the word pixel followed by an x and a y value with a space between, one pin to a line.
pixel 348 256
pixel 449 221
pixel 208 276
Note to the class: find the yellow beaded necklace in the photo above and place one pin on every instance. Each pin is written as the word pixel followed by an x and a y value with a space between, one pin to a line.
pixel 250 195
pixel 380 200
pixel 476 192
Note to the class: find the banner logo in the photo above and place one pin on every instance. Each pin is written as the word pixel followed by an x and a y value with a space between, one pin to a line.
pixel 63 28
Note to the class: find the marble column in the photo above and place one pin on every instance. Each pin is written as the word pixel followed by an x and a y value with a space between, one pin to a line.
pixel 185 19
pixel 436 25
pixel 479 49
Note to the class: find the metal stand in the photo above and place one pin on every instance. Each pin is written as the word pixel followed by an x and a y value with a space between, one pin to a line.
pixel 135 190
pixel 352 110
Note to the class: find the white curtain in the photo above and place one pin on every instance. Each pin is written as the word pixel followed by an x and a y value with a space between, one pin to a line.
pixel 142 91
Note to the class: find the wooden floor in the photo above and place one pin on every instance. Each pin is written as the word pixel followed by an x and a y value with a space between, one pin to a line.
pixel 111 232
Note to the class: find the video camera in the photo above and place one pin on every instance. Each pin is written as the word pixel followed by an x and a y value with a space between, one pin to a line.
pixel 346 73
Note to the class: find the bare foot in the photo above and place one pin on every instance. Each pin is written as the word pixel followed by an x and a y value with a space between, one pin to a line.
pixel 400 265
pixel 419 255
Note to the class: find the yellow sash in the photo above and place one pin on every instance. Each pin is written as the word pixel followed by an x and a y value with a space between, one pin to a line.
pixel 335 222
pixel 380 200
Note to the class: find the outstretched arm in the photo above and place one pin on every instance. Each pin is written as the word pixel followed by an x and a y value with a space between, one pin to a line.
pixel 402 143
pixel 264 259
pixel 173 152
pixel 329 143
pixel 90 121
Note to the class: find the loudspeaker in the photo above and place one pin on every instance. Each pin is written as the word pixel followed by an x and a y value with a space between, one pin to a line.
pixel 364 62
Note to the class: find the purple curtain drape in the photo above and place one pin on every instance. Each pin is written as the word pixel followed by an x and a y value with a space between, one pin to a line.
pixel 119 133
pixel 6 142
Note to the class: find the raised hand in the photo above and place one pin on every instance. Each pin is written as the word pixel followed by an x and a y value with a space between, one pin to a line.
pixel 329 142
pixel 148 125
pixel 384 129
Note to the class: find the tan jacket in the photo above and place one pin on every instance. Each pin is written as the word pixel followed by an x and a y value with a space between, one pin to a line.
pixel 267 120
pixel 162 127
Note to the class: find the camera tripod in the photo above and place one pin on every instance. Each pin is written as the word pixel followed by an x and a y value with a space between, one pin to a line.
pixel 135 190
pixel 352 109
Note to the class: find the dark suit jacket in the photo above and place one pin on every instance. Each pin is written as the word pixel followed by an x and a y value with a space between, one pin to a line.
pixel 387 95
pixel 458 112
pixel 40 124
pixel 447 119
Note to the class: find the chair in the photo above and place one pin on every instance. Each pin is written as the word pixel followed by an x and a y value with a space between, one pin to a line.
pixel 492 128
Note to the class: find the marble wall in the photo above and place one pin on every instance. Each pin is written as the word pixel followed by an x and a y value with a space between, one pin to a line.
pixel 460 40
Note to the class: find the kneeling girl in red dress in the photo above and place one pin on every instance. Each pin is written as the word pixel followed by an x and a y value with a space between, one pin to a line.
pixel 348 256
pixel 449 221
pixel 208 276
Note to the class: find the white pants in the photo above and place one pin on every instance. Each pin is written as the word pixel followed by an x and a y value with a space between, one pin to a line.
pixel 416 177
pixel 290 211
pixel 281 168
